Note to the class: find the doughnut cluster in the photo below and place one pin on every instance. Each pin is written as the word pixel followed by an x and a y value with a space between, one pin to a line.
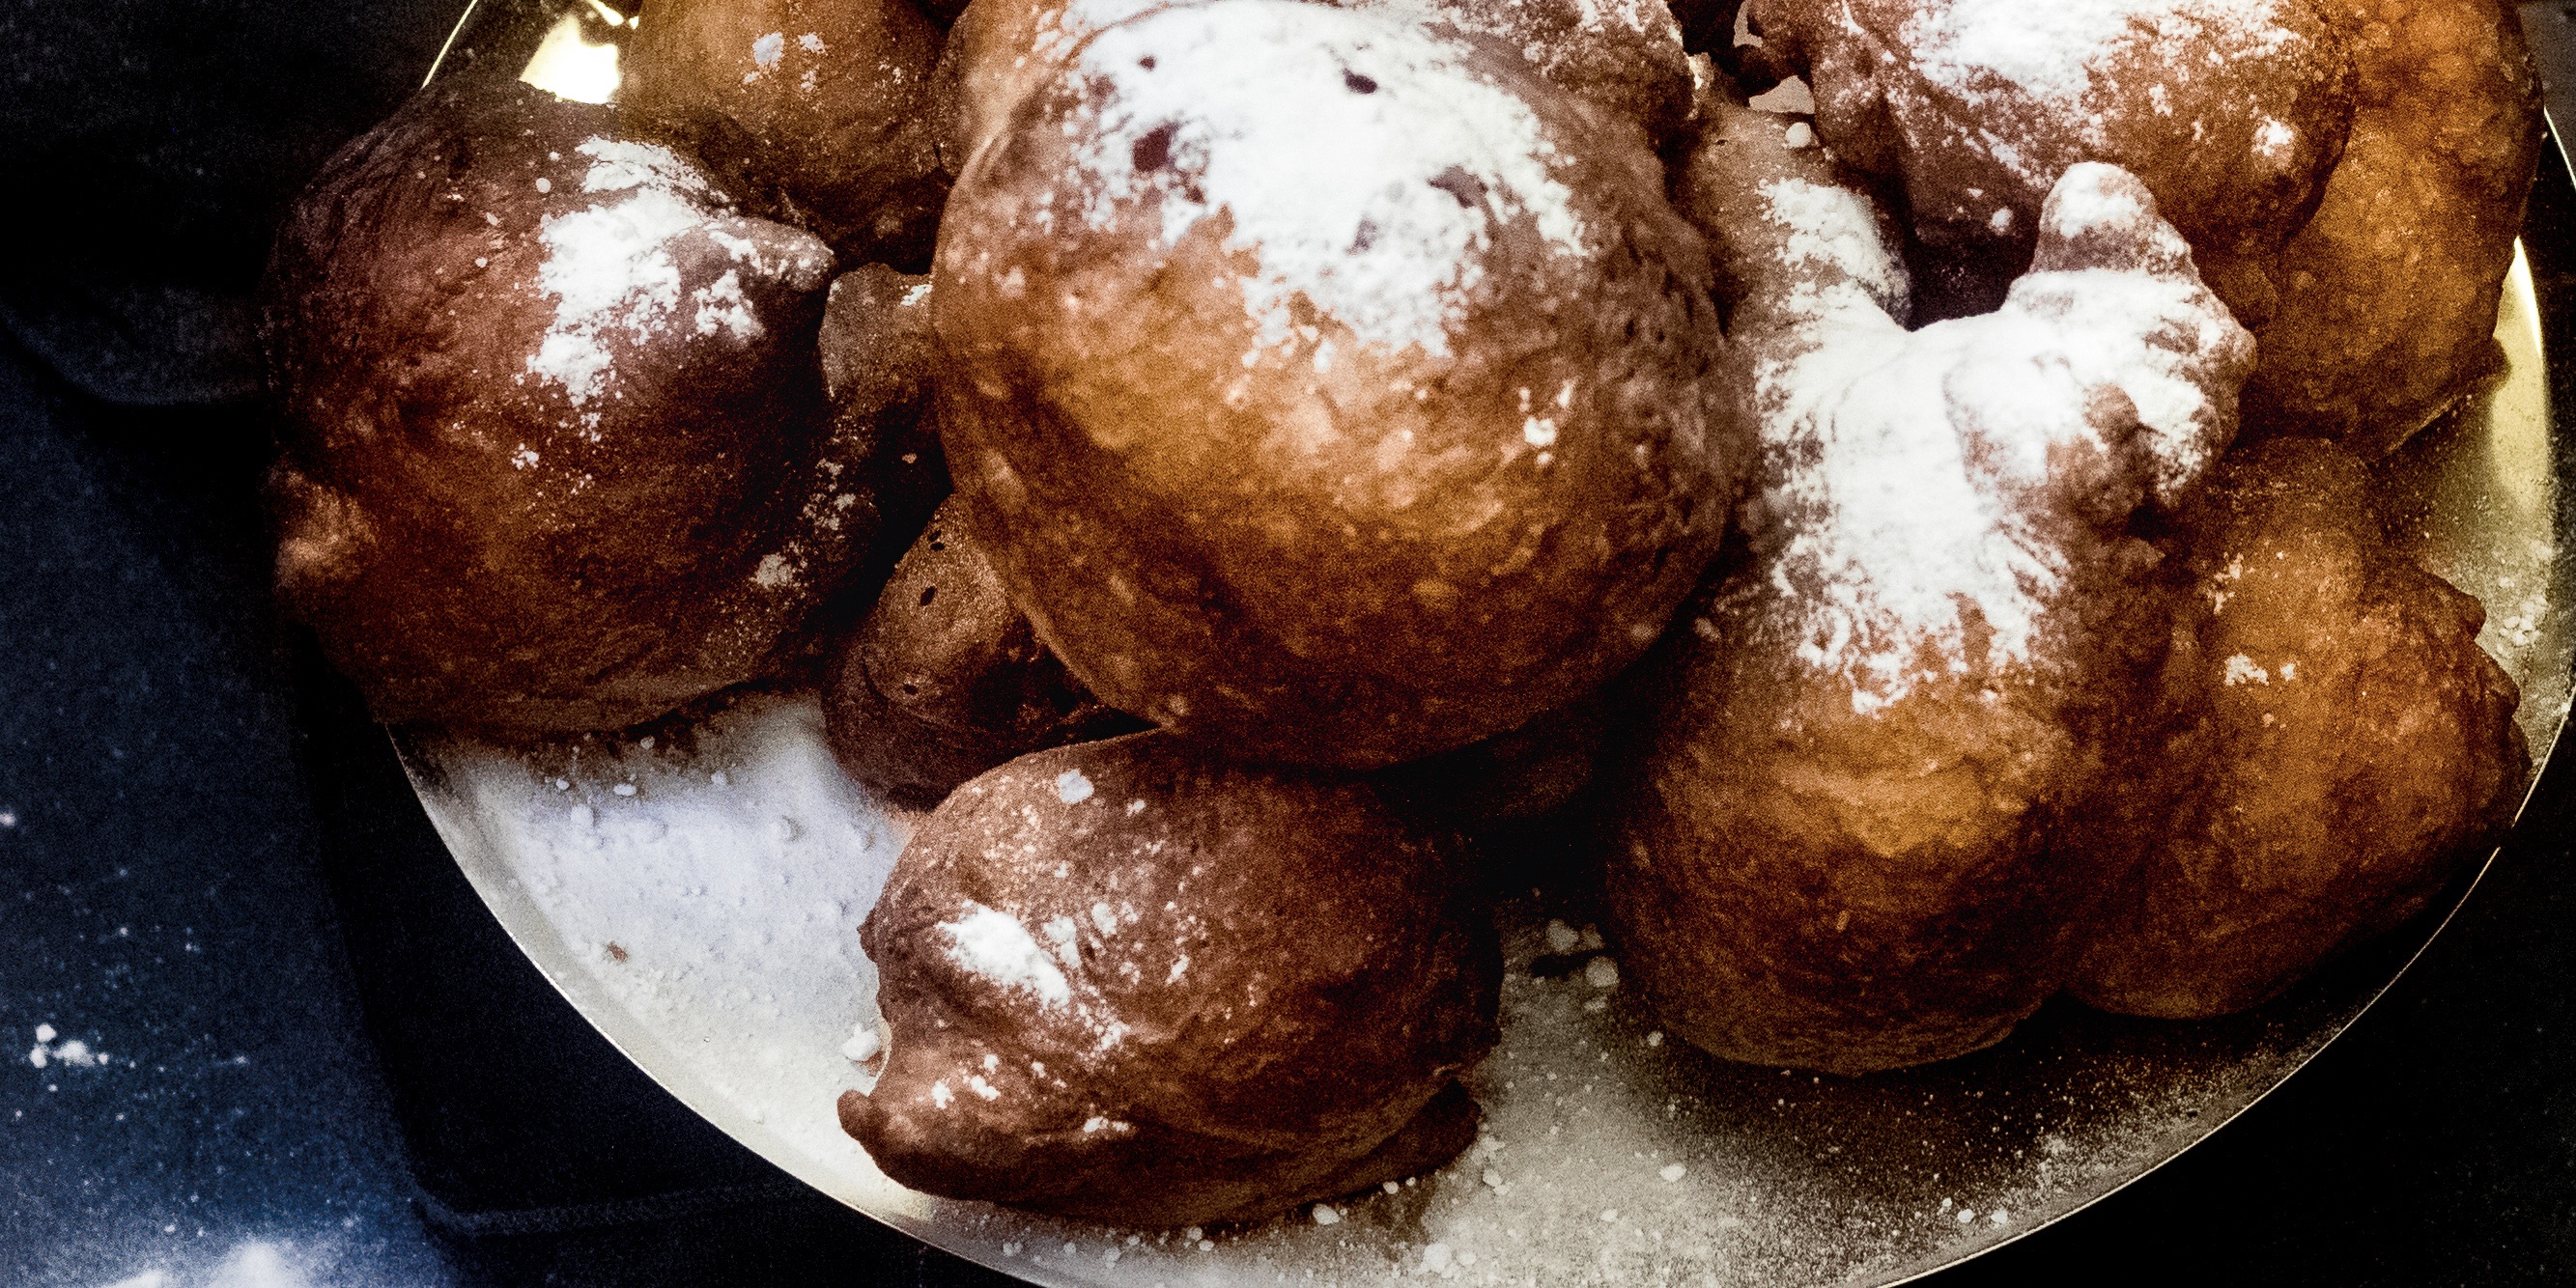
pixel 1245 466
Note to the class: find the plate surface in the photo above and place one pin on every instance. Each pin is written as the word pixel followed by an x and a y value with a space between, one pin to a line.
pixel 697 900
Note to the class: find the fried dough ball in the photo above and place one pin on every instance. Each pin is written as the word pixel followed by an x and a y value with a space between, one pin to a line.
pixel 1834 851
pixel 878 354
pixel 944 679
pixel 1001 50
pixel 828 100
pixel 2389 294
pixel 2342 746
pixel 1625 57
pixel 2231 111
pixel 553 455
pixel 2350 173
pixel 1342 405
pixel 1129 982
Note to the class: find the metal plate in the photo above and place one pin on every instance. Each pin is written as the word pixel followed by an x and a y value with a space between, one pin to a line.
pixel 696 899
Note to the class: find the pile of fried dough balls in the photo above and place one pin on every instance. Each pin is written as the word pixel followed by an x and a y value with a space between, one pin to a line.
pixel 1229 460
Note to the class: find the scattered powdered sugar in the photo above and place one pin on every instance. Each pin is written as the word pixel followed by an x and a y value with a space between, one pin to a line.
pixel 2273 138
pixel 768 49
pixel 2053 50
pixel 1905 464
pixel 728 966
pixel 72 1053
pixel 679 919
pixel 620 164
pixel 721 306
pixel 1364 162
pixel 1072 787
pixel 993 944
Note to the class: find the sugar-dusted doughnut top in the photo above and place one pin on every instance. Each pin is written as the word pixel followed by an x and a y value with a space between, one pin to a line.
pixel 1330 384
pixel 1360 161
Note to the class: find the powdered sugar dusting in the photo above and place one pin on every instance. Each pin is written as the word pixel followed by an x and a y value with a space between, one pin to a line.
pixel 611 270
pixel 721 307
pixel 2056 50
pixel 1832 228
pixel 994 945
pixel 1072 787
pixel 620 164
pixel 1903 465
pixel 1364 163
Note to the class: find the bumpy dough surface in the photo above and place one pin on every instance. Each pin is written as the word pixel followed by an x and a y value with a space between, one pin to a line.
pixel 1130 982
pixel 1855 754
pixel 944 679
pixel 553 453
pixel 2231 112
pixel 827 100
pixel 2350 173
pixel 2341 745
pixel 2389 294
pixel 1349 405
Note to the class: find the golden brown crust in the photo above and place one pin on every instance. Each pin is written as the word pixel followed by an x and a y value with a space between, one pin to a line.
pixel 2232 113
pixel 2341 746
pixel 1322 543
pixel 552 456
pixel 1129 982
pixel 944 679
pixel 1834 844
pixel 2389 292
pixel 827 99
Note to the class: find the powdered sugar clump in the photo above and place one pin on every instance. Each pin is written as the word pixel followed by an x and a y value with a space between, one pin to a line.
pixel 69 1052
pixel 611 268
pixel 994 945
pixel 1908 508
pixel 1364 163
